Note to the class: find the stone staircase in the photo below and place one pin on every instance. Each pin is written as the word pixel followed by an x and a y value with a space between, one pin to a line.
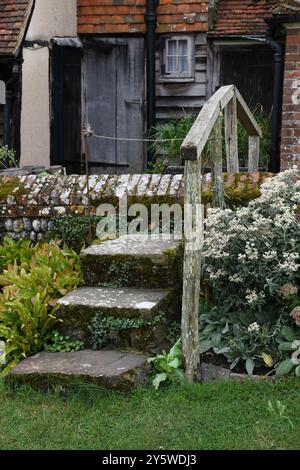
pixel 134 277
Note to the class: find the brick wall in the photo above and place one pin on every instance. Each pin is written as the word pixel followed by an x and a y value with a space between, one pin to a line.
pixel 290 134
pixel 127 16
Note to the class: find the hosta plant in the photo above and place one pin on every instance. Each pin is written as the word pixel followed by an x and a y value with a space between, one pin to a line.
pixel 291 345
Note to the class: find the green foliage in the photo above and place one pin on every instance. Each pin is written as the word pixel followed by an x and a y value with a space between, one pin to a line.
pixel 264 123
pixel 173 332
pixel 164 148
pixel 101 326
pixel 168 366
pixel 243 338
pixel 74 231
pixel 58 343
pixel 289 344
pixel 25 326
pixel 172 133
pixel 7 157
pixel 31 287
pixel 15 252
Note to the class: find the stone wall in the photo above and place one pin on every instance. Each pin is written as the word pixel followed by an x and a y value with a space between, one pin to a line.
pixel 28 203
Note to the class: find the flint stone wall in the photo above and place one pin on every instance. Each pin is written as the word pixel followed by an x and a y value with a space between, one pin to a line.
pixel 28 203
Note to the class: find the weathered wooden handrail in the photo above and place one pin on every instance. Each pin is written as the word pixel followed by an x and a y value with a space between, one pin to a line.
pixel 208 126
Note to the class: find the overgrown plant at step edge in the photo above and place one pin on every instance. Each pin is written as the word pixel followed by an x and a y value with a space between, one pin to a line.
pixel 252 261
pixel 168 366
pixel 30 289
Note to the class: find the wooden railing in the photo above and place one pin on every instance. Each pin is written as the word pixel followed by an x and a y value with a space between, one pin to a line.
pixel 228 104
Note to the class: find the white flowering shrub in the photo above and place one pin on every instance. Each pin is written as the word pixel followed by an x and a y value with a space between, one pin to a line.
pixel 252 261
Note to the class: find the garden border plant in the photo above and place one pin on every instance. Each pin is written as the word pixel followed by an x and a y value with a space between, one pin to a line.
pixel 33 278
pixel 252 261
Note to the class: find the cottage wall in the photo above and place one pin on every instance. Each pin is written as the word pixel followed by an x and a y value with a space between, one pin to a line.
pixel 188 17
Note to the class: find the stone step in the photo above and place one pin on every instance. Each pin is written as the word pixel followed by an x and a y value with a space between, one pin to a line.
pixel 134 260
pixel 113 369
pixel 80 306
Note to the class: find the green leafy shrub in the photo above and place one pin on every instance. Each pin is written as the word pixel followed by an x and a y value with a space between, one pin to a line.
pixel 25 326
pixel 28 310
pixel 7 157
pixel 58 343
pixel 74 231
pixel 168 366
pixel 15 252
pixel 252 261
pixel 169 137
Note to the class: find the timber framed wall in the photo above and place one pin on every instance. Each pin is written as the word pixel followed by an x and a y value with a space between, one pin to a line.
pixel 186 18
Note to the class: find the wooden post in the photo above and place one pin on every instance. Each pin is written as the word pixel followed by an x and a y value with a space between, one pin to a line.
pixel 191 272
pixel 231 137
pixel 253 155
pixel 217 165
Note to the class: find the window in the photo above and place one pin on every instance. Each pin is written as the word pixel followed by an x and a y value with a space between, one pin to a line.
pixel 177 58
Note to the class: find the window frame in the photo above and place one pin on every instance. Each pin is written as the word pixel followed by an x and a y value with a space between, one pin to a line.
pixel 188 76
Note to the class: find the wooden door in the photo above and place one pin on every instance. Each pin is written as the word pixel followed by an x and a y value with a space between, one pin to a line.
pixel 114 98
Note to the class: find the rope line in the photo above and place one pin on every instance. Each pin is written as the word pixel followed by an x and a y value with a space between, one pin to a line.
pixel 127 139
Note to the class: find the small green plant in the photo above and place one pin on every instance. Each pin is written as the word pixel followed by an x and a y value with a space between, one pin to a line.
pixel 7 157
pixel 168 366
pixel 101 326
pixel 279 409
pixel 58 343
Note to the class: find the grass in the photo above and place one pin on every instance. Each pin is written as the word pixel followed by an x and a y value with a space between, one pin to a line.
pixel 216 415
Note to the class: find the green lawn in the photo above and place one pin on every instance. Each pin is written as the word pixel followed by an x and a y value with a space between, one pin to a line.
pixel 218 415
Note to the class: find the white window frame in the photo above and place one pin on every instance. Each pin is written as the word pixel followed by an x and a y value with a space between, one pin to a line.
pixel 178 76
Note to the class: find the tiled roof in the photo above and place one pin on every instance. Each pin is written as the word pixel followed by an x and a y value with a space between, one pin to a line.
pixel 128 16
pixel 238 17
pixel 14 15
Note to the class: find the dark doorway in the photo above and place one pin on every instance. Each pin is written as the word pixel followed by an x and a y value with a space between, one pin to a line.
pixel 251 69
pixel 66 108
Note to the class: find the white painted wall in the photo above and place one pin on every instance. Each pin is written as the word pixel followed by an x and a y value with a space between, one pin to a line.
pixel 35 130
pixel 50 18
pixel 53 18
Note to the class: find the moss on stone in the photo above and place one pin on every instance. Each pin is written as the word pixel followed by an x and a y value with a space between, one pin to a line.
pixel 11 186
pixel 124 271
pixel 240 193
